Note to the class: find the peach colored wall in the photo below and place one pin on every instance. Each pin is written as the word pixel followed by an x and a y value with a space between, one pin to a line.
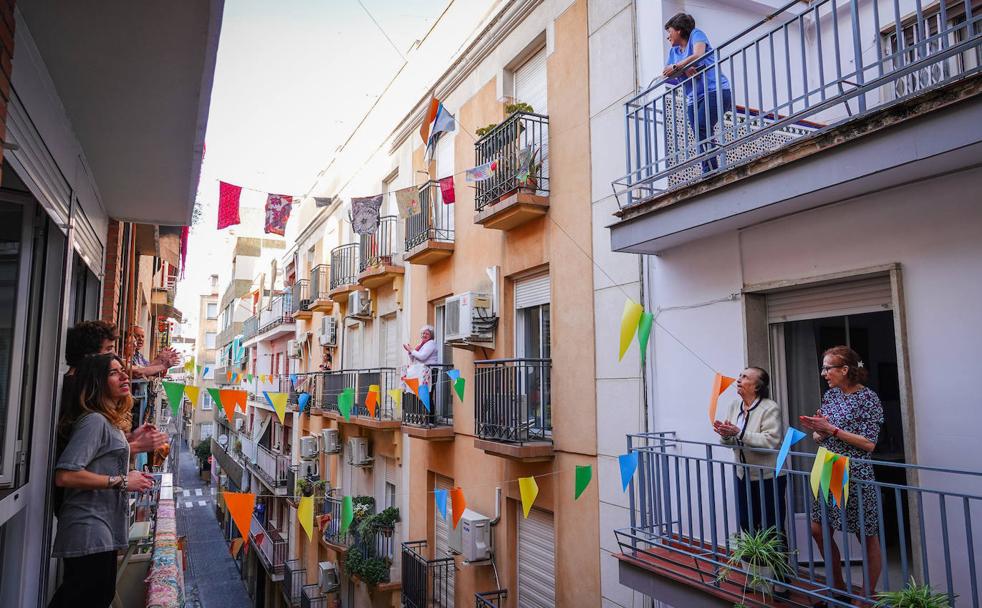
pixel 540 244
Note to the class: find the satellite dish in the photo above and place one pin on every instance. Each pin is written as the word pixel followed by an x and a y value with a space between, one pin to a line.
pixel 223 440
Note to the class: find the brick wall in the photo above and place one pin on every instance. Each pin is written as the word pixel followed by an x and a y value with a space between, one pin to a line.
pixel 6 56
pixel 111 280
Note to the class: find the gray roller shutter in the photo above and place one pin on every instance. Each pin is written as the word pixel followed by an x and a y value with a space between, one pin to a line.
pixel 441 533
pixel 850 297
pixel 530 82
pixel 536 560
pixel 533 291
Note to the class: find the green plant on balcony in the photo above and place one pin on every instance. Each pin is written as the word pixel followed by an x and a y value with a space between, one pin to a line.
pixel 310 487
pixel 382 522
pixel 510 109
pixel 369 569
pixel 760 553
pixel 913 596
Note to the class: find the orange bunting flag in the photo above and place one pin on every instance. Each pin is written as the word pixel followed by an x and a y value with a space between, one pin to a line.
pixel 228 376
pixel 413 384
pixel 838 476
pixel 240 506
pixel 235 397
pixel 720 384
pixel 459 503
pixel 371 400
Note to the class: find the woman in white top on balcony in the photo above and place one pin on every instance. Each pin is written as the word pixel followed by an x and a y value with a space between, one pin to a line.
pixel 424 355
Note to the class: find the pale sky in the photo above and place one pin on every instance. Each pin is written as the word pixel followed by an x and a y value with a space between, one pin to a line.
pixel 293 78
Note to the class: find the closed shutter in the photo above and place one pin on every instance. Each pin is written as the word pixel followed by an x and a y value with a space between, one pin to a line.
pixel 389 343
pixel 530 83
pixel 532 292
pixel 852 297
pixel 536 561
pixel 352 347
pixel 441 533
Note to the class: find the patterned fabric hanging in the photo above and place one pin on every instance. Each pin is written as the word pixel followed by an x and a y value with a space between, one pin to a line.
pixel 407 199
pixel 364 213
pixel 228 204
pixel 277 213
pixel 447 191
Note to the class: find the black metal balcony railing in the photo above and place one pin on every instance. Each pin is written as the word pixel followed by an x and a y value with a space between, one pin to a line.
pixel 332 532
pixel 490 599
pixel 512 400
pixel 300 296
pixel 320 282
pixel 311 597
pixel 386 378
pixel 271 466
pixel 504 146
pixel 330 385
pixel 435 220
pixel 425 582
pixel 924 528
pixel 776 95
pixel 441 402
pixel 294 577
pixel 277 312
pixel 344 265
pixel 250 327
pixel 272 546
pixel 378 248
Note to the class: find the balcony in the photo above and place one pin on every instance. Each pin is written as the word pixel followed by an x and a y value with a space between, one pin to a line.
pixel 294 579
pixel 312 597
pixel 437 423
pixel 301 300
pixel 430 233
pixel 425 582
pixel 384 419
pixel 320 289
pixel 681 524
pixel 225 336
pixel 332 536
pixel 804 113
pixel 331 384
pixel 272 547
pixel 507 200
pixel 272 469
pixel 276 319
pixel 378 254
pixel 491 599
pixel 513 408
pixel 250 327
pixel 344 272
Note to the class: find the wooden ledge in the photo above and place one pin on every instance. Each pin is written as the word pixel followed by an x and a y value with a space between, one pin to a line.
pixel 512 211
pixel 429 252
pixel 538 451
pixel 377 276
pixel 435 433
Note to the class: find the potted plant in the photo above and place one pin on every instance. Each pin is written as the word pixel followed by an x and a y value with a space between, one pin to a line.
pixel 913 596
pixel 383 522
pixel 510 109
pixel 530 181
pixel 759 554
pixel 310 487
pixel 368 569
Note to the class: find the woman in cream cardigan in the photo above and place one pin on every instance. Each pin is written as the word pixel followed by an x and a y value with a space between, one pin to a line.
pixel 754 421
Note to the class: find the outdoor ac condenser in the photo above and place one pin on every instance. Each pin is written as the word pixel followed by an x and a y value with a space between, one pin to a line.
pixel 293 350
pixel 329 331
pixel 308 447
pixel 469 317
pixel 309 470
pixel 328 578
pixel 358 451
pixel 331 441
pixel 472 537
pixel 360 304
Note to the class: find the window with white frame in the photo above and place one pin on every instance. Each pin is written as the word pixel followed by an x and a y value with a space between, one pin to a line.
pixel 212 310
pixel 210 339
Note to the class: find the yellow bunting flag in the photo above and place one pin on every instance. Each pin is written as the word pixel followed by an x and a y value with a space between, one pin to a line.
pixel 529 490
pixel 305 513
pixel 278 401
pixel 191 392
pixel 396 396
pixel 240 506
pixel 720 384
pixel 371 400
pixel 629 324
pixel 236 397
pixel 816 475
pixel 458 503
pixel 413 384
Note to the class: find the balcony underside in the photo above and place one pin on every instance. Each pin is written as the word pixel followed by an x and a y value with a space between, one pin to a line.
pixel 429 252
pixel 323 305
pixel 340 293
pixel 271 334
pixel 365 421
pixel 930 135
pixel 537 451
pixel 303 315
pixel 434 433
pixel 339 549
pixel 512 210
pixel 376 276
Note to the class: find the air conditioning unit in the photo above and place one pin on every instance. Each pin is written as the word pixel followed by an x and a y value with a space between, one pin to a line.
pixel 308 470
pixel 331 440
pixel 328 577
pixel 472 537
pixel 239 423
pixel 360 304
pixel 308 447
pixel 358 452
pixel 329 331
pixel 294 349
pixel 470 318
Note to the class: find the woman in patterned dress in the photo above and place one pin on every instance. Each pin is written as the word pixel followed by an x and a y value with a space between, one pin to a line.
pixel 849 424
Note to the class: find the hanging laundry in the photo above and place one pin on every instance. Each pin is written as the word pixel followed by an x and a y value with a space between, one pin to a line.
pixel 228 204
pixel 277 213
pixel 447 191
pixel 407 200
pixel 364 213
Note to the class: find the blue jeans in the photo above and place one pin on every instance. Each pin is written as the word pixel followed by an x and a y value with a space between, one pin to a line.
pixel 705 107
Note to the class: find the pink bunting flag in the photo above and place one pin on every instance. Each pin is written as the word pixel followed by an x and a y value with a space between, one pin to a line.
pixel 228 204
pixel 447 190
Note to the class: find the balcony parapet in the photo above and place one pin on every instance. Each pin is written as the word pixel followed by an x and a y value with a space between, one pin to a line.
pixel 430 233
pixel 272 469
pixel 513 408
pixel 272 547
pixel 435 424
pixel 426 582
pixel 378 254
pixel 344 271
pixel 320 289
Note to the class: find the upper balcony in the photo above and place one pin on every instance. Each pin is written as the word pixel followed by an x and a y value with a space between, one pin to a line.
pixel 272 469
pixel 294 579
pixel 683 512
pixel 325 387
pixel 378 254
pixel 250 327
pixel 275 319
pixel 518 190
pixel 320 289
pixel 272 546
pixel 435 424
pixel 301 300
pixel 809 97
pixel 344 271
pixel 513 408
pixel 225 336
pixel 430 233
pixel 426 582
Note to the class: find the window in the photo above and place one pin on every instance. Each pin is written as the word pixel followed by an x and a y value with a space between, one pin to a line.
pixel 206 402
pixel 533 342
pixel 11 247
pixel 210 340
pixel 390 495
pixel 212 310
pixel 206 431
pixel 530 82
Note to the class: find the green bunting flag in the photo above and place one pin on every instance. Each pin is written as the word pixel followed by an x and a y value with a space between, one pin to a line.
pixel 584 474
pixel 347 514
pixel 175 392
pixel 644 332
pixel 458 387
pixel 346 400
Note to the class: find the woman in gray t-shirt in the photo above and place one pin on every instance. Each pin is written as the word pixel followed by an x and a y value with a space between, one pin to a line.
pixel 94 470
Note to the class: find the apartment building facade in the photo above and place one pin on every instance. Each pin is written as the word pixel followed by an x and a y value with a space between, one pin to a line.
pixel 202 423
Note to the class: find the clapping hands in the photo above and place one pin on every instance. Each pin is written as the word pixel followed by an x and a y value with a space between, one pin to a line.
pixel 725 428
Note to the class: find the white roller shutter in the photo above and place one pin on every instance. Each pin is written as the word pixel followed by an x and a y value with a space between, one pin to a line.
pixel 536 561
pixel 441 533
pixel 533 291
pixel 851 297
pixel 389 342
pixel 530 82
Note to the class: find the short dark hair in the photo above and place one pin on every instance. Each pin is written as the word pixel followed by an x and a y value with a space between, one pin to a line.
pixel 86 339
pixel 683 22
pixel 763 382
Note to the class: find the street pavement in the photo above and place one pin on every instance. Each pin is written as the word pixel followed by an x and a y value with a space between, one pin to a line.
pixel 212 579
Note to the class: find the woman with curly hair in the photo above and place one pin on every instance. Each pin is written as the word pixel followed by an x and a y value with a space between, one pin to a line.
pixel 93 468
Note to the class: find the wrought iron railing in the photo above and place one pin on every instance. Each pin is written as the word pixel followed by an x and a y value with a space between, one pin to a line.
pixel 435 220
pixel 491 599
pixel 300 300
pixel 344 265
pixel 271 466
pixel 414 413
pixel 320 282
pixel 378 248
pixel 798 70
pixel 521 136
pixel 294 578
pixel 272 546
pixel 386 379
pixel 512 400
pixel 330 385
pixel 250 327
pixel 425 582
pixel 278 311
pixel 921 519
pixel 312 597
pixel 332 531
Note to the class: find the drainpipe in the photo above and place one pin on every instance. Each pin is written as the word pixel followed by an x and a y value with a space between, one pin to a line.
pixel 497 507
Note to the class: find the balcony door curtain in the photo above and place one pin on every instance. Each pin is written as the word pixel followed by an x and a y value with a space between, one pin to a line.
pixel 532 341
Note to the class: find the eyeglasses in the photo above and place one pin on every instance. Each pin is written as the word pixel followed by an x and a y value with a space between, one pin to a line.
pixel 826 368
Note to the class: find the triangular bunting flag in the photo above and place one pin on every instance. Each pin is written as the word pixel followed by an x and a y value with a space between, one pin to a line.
pixel 584 473
pixel 396 396
pixel 235 397
pixel 457 503
pixel 453 374
pixel 458 387
pixel 278 402
pixel 440 496
pixel 827 473
pixel 192 392
pixel 371 400
pixel 629 324
pixel 835 482
pixel 346 400
pixel 216 396
pixel 240 506
pixel 413 384
pixel 529 490
pixel 792 437
pixel 629 464
pixel 205 373
pixel 198 370
pixel 175 392
pixel 644 332
pixel 424 395
pixel 815 477
pixel 235 547
pixel 347 514
pixel 293 379
pixel 720 384
pixel 302 400
pixel 305 514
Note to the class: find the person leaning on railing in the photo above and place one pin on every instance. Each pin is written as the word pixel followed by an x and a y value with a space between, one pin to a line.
pixel 849 423
pixel 692 61
pixel 94 470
